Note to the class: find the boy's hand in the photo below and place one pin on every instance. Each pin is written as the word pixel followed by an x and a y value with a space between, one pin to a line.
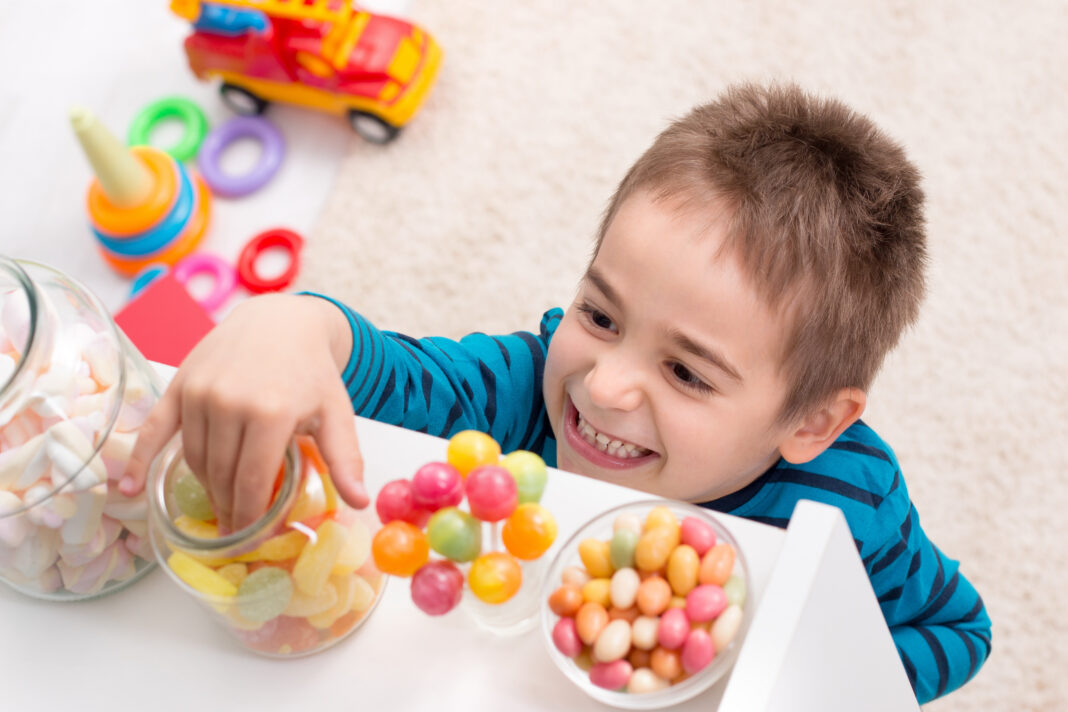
pixel 269 370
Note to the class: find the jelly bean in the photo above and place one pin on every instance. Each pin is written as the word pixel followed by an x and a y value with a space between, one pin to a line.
pixel 645 680
pixel 697 652
pixel 598 590
pixel 469 449
pixel 529 531
pixel 705 602
pixel 437 587
pixel 566 638
pixel 637 657
pixel 666 663
pixel 491 493
pixel 677 602
pixel 192 498
pixel 395 501
pixel 529 472
pixel 495 577
pixel 726 626
pixel 735 590
pixel 264 594
pixel 355 552
pixel 566 600
pixel 682 568
pixel 574 576
pixel 627 614
pixel 673 630
pixel 399 548
pixel 660 516
pixel 302 605
pixel 654 594
pixel 455 534
pixel 202 578
pixel 590 621
pixel 613 642
pixel 234 573
pixel 436 485
pixel 653 548
pixel 624 589
pixel 644 632
pixel 698 534
pixel 596 558
pixel 717 565
pixel 312 569
pixel 628 521
pixel 621 548
pixel 611 676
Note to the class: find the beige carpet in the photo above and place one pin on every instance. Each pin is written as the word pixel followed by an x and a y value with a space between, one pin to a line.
pixel 481 216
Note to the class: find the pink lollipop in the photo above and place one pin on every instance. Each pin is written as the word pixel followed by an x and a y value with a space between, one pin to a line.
pixel 395 502
pixel 437 587
pixel 491 493
pixel 436 485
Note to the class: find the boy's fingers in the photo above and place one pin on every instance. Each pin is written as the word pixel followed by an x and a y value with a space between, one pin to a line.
pixel 220 458
pixel 263 449
pixel 336 437
pixel 161 424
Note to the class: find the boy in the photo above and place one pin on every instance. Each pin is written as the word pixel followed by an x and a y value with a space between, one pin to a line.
pixel 751 272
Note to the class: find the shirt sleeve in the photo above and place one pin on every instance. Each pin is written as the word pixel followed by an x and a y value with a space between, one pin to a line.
pixel 442 386
pixel 937 619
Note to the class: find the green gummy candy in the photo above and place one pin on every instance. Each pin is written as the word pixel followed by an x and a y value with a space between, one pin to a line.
pixel 621 549
pixel 264 594
pixel 735 590
pixel 192 498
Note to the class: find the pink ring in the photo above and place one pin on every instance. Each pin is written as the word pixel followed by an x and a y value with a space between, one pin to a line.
pixel 224 275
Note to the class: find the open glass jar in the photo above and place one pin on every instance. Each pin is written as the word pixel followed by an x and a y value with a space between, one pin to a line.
pixel 73 391
pixel 293 583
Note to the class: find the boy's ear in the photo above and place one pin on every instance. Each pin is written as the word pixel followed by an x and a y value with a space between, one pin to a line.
pixel 823 426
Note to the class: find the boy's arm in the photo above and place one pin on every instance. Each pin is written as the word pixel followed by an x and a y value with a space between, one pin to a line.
pixel 936 617
pixel 441 386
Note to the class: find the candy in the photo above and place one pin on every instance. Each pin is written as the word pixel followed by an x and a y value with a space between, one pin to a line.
pixel 278 548
pixel 566 600
pixel 596 557
pixel 644 632
pixel 661 516
pixel 491 493
pixel 705 602
pixel 726 626
pixel 400 548
pixel 590 620
pixel 202 578
pixel 627 521
pixel 529 472
pixel 234 573
pixel 436 485
pixel 626 614
pixel 697 651
pixel 735 590
pixel 317 558
pixel 566 638
pixel 611 676
pixel 495 577
pixel 697 534
pixel 621 548
pixel 529 531
pixel 598 591
pixel 469 449
pixel 437 587
pixel 13 527
pixel 624 589
pixel 264 594
pixel 666 663
pixel 682 568
pixel 645 680
pixel 191 497
pixel 654 595
pixel 673 630
pixel 346 594
pixel 355 551
pixel 717 565
pixel 574 576
pixel 455 534
pixel 613 642
pixel 654 547
pixel 396 502
pixel 302 605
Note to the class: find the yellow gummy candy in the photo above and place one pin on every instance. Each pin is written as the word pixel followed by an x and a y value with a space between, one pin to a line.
pixel 277 548
pixel 311 502
pixel 200 577
pixel 234 573
pixel 355 552
pixel 196 528
pixel 329 491
pixel 346 592
pixel 363 594
pixel 314 563
pixel 301 605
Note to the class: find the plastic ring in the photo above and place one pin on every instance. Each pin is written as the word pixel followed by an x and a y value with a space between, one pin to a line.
pixel 184 245
pixel 176 107
pixel 159 236
pixel 225 277
pixel 146 277
pixel 119 222
pixel 222 136
pixel 246 263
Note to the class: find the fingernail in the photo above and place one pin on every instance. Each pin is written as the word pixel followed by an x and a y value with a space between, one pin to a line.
pixel 126 484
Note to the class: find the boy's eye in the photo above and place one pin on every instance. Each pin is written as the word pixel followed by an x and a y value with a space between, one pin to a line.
pixel 597 318
pixel 688 379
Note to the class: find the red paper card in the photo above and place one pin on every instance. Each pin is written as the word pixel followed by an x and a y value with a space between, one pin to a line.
pixel 164 322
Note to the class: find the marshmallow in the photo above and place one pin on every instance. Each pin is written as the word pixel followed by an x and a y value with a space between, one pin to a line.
pixel 15 319
pixel 37 552
pixel 120 506
pixel 21 466
pixel 41 511
pixel 133 414
pixel 82 554
pixel 103 358
pixel 7 366
pixel 70 450
pixel 13 527
pixel 80 528
pixel 137 527
pixel 114 562
pixel 139 546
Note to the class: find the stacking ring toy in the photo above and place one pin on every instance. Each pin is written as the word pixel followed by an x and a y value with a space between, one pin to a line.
pixel 225 278
pixel 119 222
pixel 246 263
pixel 222 136
pixel 156 238
pixel 171 107
pixel 146 277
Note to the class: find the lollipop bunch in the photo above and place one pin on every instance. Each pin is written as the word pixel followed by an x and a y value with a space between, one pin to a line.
pixel 423 515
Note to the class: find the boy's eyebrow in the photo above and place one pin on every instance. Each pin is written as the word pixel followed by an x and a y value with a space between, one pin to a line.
pixel 592 275
pixel 714 357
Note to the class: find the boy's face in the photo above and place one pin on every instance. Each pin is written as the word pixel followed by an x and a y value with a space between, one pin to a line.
pixel 663 374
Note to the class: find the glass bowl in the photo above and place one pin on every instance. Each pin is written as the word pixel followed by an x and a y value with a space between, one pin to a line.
pixel 684 687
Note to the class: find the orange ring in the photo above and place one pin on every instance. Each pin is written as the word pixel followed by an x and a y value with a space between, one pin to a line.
pixel 187 241
pixel 127 222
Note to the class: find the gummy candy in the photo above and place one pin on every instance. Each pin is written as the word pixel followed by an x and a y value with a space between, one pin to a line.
pixel 264 594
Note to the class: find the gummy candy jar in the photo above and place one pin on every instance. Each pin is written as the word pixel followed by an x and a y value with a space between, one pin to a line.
pixel 73 391
pixel 294 582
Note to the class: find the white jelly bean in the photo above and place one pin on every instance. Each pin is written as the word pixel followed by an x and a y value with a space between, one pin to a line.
pixel 644 632
pixel 726 626
pixel 624 588
pixel 613 642
pixel 628 520
pixel 645 680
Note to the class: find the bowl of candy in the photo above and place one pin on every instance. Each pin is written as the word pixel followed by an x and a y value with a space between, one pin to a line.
pixel 645 605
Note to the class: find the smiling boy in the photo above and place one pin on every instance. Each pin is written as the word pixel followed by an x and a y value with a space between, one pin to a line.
pixel 752 271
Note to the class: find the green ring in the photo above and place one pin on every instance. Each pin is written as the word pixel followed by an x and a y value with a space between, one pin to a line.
pixel 186 111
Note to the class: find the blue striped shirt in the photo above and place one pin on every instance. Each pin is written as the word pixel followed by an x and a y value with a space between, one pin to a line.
pixel 494 384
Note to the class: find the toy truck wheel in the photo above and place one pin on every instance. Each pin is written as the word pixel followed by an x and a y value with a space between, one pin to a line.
pixel 371 128
pixel 242 101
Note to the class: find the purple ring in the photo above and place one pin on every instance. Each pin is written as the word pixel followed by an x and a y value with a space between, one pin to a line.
pixel 225 277
pixel 255 127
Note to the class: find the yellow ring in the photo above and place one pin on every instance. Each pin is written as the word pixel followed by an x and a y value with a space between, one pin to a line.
pixel 186 242
pixel 127 222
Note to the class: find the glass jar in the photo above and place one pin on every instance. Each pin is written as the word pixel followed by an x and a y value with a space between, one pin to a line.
pixel 73 391
pixel 293 583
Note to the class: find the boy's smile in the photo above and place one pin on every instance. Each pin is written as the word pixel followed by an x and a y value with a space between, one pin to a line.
pixel 664 373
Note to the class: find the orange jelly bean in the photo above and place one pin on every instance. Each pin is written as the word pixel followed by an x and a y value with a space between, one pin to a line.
pixel 666 663
pixel 590 621
pixel 654 547
pixel 717 565
pixel 682 569
pixel 566 600
pixel 654 595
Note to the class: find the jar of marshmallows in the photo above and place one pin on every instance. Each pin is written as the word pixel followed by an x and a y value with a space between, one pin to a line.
pixel 73 392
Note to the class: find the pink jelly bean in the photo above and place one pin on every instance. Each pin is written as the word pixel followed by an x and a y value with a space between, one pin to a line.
pixel 437 587
pixel 705 602
pixel 697 533
pixel 611 676
pixel 698 651
pixel 491 493
pixel 436 485
pixel 673 629
pixel 566 637
pixel 395 502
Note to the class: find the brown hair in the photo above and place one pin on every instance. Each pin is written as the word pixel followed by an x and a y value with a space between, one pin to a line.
pixel 826 217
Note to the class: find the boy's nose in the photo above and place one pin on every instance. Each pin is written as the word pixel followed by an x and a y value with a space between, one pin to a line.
pixel 614 385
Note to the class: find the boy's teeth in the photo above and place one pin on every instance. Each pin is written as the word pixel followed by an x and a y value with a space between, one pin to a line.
pixel 615 448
